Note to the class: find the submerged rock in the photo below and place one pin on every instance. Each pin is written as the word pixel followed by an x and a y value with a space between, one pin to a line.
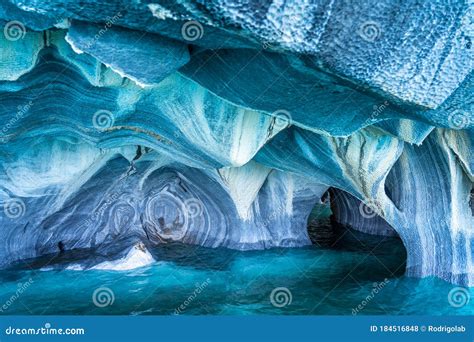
pixel 138 256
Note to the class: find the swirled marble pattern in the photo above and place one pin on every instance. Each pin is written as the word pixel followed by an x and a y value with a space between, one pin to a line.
pixel 221 123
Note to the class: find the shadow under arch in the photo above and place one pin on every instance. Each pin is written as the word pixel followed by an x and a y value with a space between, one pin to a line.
pixel 341 222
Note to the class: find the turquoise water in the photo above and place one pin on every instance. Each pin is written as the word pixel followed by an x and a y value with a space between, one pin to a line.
pixel 331 277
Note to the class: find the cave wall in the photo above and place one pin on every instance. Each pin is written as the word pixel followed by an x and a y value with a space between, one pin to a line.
pixel 116 116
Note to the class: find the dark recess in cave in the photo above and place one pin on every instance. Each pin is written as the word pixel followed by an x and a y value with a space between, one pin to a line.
pixel 326 233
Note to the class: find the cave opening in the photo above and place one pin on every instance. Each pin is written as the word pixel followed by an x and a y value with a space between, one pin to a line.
pixel 320 229
pixel 340 222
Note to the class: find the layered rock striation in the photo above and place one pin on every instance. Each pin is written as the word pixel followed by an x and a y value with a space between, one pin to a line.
pixel 129 124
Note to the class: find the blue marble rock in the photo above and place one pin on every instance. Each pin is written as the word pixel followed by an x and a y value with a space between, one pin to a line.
pixel 148 61
pixel 125 125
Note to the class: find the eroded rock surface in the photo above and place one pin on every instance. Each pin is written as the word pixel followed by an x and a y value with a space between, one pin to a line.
pixel 221 123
